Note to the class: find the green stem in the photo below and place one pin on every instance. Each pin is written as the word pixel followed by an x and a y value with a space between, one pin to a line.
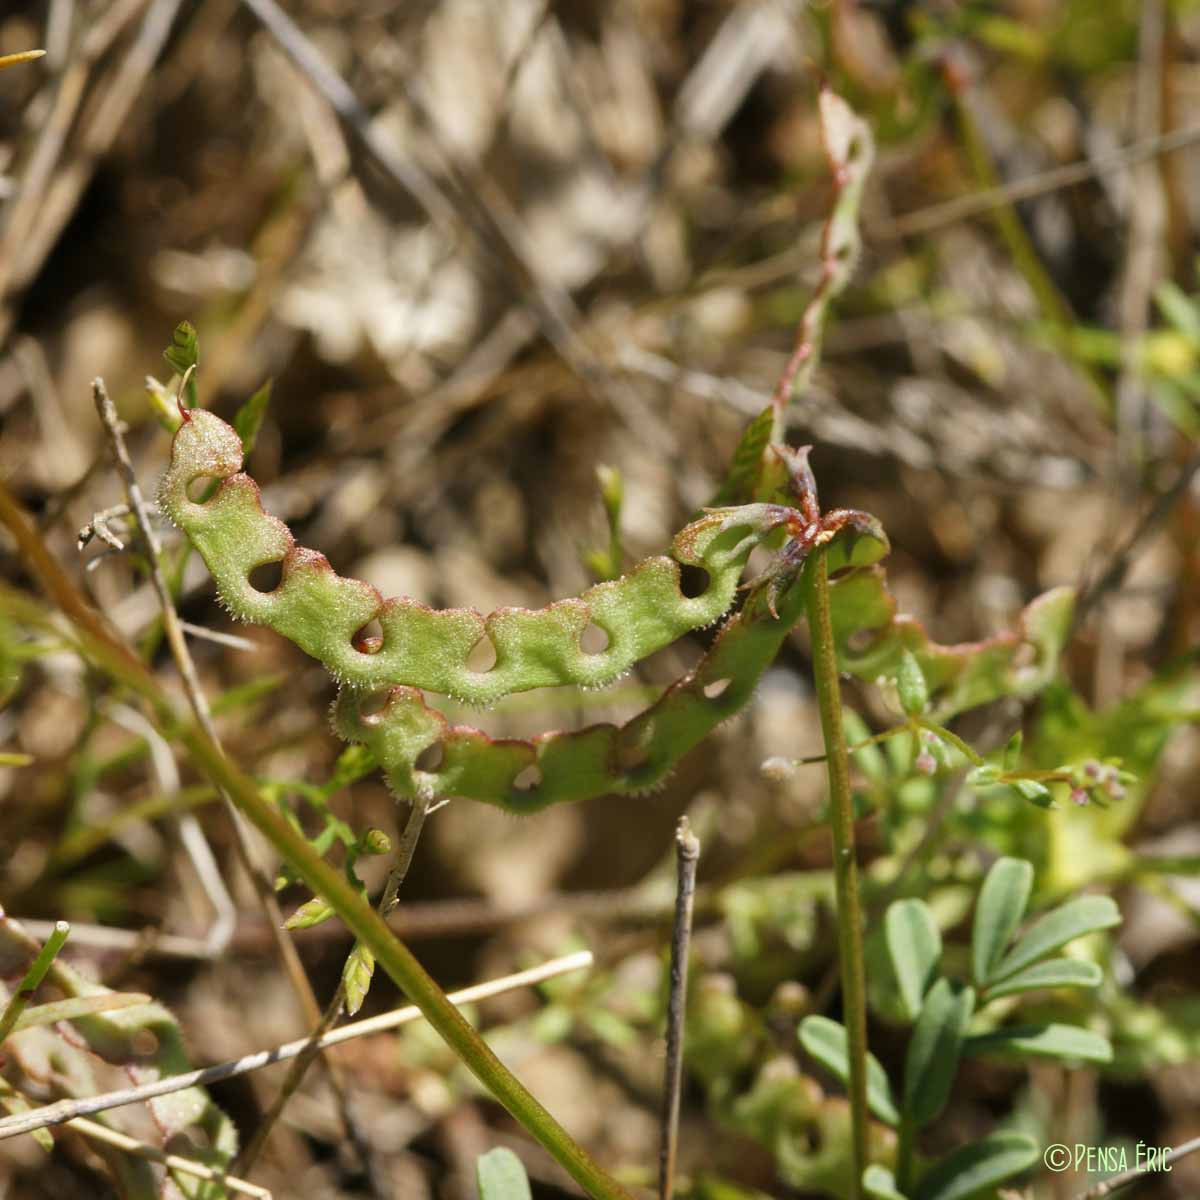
pixel 407 973
pixel 873 740
pixel 33 977
pixel 845 865
pixel 324 880
pixel 1162 864
pixel 964 748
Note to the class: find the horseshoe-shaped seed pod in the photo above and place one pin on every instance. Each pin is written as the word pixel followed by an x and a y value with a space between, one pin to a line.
pixel 421 647
pixel 525 775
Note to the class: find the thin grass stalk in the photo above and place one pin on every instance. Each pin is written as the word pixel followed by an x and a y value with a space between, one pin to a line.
pixel 32 978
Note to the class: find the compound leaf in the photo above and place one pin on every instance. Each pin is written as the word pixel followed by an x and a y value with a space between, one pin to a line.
pixel 998 912
pixel 1088 914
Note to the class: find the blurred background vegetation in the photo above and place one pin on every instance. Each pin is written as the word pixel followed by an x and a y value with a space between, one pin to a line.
pixel 538 239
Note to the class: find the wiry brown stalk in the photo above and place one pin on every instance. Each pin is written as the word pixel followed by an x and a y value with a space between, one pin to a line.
pixel 246 852
pixel 849 151
pixel 687 855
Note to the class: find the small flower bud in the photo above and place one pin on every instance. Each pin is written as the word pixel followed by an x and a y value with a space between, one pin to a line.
pixel 375 841
pixel 612 491
pixel 926 763
pixel 910 684
pixel 1012 752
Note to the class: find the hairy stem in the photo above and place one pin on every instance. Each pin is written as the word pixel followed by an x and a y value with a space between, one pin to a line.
pixel 845 865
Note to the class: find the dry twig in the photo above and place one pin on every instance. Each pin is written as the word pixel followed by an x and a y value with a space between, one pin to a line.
pixel 173 1162
pixel 687 855
pixel 66 1110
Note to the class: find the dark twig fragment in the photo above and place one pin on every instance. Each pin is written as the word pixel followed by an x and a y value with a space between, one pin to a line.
pixel 687 851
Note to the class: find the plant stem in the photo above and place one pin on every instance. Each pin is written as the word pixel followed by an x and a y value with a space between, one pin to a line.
pixel 845 865
pixel 873 740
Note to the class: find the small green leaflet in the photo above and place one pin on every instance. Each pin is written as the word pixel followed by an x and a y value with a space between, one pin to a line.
pixel 741 481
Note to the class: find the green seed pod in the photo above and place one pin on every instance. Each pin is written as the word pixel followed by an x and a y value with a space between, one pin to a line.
pixel 420 647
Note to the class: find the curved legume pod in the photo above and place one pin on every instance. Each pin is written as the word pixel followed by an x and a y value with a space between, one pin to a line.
pixel 525 775
pixel 421 647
